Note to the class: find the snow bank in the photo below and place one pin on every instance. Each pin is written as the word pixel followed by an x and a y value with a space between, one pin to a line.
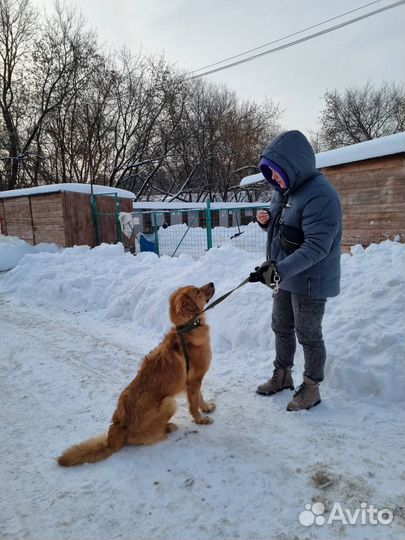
pixel 13 249
pixel 363 326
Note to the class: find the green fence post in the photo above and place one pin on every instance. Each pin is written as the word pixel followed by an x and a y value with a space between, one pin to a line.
pixel 155 226
pixel 117 218
pixel 209 228
pixel 95 218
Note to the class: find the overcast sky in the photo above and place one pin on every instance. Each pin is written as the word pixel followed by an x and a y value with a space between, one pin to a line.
pixel 194 33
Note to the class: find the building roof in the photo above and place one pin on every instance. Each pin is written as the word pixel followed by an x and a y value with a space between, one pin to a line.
pixel 384 146
pixel 57 188
pixel 161 206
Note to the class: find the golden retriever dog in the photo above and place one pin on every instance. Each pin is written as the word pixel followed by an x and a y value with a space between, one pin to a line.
pixel 147 404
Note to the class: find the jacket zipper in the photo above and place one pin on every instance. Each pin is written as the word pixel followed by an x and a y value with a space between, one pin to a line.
pixel 309 287
pixel 291 242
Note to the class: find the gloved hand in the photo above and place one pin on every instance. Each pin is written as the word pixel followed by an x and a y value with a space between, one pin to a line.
pixel 266 273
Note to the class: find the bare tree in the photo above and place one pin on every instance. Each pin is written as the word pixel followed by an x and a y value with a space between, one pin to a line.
pixel 151 105
pixel 218 136
pixel 17 30
pixel 43 66
pixel 72 114
pixel 360 114
pixel 79 132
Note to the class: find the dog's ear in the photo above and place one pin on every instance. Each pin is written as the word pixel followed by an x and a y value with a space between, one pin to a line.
pixel 185 304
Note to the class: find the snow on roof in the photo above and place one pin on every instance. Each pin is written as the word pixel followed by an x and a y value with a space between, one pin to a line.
pixel 384 146
pixel 153 205
pixel 56 188
pixel 251 179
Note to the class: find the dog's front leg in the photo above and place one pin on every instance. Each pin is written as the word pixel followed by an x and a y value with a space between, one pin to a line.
pixel 206 407
pixel 193 387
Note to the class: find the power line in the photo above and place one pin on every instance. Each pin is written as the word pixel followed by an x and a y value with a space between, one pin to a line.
pixel 296 42
pixel 284 37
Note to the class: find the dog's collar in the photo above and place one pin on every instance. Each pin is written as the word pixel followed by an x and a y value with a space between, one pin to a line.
pixel 191 325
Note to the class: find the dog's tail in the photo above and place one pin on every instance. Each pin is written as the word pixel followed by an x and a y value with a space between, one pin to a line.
pixel 95 449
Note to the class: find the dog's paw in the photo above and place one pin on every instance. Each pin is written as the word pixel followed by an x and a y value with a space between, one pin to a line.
pixel 203 420
pixel 208 407
pixel 170 427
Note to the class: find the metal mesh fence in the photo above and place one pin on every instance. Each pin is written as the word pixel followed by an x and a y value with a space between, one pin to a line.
pixel 194 231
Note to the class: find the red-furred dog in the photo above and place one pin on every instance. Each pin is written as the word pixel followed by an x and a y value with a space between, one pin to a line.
pixel 147 404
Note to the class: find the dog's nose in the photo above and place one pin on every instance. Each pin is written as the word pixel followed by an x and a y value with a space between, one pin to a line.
pixel 211 284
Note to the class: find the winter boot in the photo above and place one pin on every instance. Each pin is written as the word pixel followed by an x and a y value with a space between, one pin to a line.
pixel 306 396
pixel 281 380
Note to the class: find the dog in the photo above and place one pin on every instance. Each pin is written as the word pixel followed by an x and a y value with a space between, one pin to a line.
pixel 148 402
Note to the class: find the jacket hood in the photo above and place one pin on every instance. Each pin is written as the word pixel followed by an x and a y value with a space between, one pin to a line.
pixel 292 151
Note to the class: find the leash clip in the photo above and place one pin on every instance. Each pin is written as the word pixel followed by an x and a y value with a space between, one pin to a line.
pixel 277 282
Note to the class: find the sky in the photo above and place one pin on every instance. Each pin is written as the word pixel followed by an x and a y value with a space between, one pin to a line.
pixel 194 33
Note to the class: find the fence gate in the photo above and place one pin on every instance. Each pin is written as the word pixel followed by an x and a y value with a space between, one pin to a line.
pixel 106 210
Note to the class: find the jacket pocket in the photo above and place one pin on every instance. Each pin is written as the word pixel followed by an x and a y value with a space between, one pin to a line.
pixel 291 238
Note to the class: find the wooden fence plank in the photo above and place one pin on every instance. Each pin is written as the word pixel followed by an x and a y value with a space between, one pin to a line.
pixel 47 218
pixel 18 218
pixel 3 223
pixel 79 227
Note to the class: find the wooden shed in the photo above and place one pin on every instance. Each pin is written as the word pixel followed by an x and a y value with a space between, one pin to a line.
pixel 64 214
pixel 370 179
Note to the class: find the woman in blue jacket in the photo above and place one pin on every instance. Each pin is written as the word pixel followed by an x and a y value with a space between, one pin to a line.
pixel 304 229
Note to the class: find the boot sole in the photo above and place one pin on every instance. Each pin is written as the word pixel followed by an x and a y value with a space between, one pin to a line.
pixel 307 409
pixel 275 392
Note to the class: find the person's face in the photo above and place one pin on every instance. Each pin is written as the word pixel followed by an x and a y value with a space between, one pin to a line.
pixel 278 179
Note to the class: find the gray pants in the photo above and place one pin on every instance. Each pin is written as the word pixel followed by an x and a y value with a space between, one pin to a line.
pixel 301 316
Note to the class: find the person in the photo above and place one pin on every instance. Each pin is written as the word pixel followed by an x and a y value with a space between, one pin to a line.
pixel 304 230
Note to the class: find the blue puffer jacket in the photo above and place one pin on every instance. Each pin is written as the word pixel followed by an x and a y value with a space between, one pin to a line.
pixel 311 206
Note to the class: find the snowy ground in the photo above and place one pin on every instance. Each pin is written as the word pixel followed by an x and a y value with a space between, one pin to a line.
pixel 74 327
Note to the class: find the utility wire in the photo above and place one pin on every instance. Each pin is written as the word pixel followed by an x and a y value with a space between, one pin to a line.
pixel 296 42
pixel 284 37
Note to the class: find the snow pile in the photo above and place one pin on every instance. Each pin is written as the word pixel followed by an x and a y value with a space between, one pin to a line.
pixel 365 323
pixel 13 249
pixel 363 327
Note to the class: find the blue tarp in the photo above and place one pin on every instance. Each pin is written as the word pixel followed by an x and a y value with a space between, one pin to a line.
pixel 146 245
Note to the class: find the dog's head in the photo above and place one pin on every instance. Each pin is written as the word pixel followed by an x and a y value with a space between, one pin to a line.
pixel 186 302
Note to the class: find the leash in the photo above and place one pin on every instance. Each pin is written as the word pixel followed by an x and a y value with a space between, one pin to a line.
pixel 195 322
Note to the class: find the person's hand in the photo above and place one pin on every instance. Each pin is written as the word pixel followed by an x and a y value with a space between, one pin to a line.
pixel 267 274
pixel 263 217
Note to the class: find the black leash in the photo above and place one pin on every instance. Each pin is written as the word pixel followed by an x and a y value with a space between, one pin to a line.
pixel 195 322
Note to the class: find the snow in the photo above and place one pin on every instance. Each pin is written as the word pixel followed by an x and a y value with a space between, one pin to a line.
pixel 384 146
pixel 75 326
pixel 252 179
pixel 13 249
pixel 156 205
pixel 56 188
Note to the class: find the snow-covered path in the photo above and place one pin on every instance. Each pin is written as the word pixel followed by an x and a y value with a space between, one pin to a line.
pixel 249 475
